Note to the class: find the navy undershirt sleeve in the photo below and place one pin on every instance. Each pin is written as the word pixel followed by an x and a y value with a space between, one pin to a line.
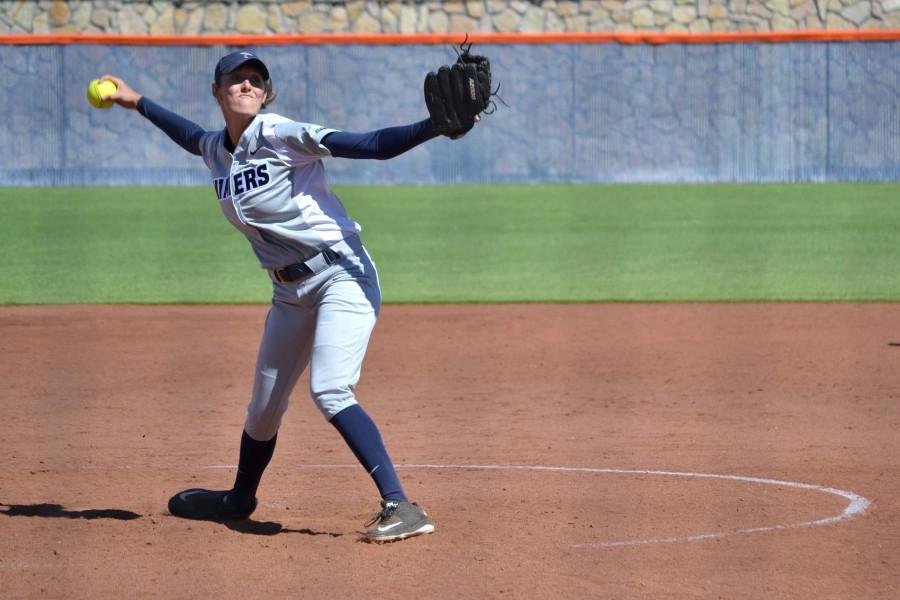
pixel 183 132
pixel 380 144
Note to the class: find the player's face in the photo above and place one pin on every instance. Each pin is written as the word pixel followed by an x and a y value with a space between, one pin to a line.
pixel 241 92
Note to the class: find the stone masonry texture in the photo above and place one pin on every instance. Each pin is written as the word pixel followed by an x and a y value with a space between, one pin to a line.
pixel 396 16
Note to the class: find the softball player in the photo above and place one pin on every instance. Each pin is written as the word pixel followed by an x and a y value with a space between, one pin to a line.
pixel 269 177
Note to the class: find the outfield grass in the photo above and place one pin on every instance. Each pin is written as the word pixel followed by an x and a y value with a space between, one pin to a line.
pixel 565 243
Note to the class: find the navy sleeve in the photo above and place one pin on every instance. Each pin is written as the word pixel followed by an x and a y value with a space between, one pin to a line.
pixel 380 144
pixel 185 133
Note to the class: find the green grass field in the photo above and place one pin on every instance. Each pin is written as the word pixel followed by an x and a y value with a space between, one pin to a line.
pixel 503 243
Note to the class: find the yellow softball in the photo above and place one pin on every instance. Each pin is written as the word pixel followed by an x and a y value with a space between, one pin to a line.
pixel 97 89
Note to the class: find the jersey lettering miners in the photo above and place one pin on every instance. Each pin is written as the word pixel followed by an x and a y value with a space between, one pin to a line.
pixel 273 189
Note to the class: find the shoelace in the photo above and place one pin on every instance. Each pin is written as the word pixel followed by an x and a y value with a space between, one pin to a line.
pixel 386 513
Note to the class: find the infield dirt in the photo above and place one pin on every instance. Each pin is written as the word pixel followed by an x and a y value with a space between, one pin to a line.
pixel 107 411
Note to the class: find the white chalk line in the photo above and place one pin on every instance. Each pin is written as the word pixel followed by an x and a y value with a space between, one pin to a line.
pixel 856 505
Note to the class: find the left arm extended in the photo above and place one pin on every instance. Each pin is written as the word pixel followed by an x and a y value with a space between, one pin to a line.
pixel 380 144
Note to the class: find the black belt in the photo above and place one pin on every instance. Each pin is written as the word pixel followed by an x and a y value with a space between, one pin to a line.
pixel 300 270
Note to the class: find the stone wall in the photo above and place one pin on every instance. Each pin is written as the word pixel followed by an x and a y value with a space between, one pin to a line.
pixel 410 16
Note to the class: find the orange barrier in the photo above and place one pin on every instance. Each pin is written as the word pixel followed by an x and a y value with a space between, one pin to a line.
pixel 653 38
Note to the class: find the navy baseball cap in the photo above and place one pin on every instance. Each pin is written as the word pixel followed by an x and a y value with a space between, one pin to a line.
pixel 230 62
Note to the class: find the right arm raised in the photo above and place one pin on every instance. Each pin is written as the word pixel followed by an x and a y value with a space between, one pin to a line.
pixel 183 132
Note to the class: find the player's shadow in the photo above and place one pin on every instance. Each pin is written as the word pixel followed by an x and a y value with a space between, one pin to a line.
pixel 58 511
pixel 272 528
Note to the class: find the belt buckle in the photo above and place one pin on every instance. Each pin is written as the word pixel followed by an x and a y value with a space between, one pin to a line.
pixel 276 274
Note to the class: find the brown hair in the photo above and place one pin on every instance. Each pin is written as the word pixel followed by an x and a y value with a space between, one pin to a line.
pixel 271 94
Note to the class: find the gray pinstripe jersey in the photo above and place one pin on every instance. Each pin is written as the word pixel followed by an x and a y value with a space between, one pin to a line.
pixel 273 189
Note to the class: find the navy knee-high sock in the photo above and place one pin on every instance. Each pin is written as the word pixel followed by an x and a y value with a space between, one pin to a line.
pixel 364 439
pixel 254 459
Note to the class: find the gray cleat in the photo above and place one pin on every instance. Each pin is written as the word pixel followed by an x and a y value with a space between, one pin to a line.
pixel 398 520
